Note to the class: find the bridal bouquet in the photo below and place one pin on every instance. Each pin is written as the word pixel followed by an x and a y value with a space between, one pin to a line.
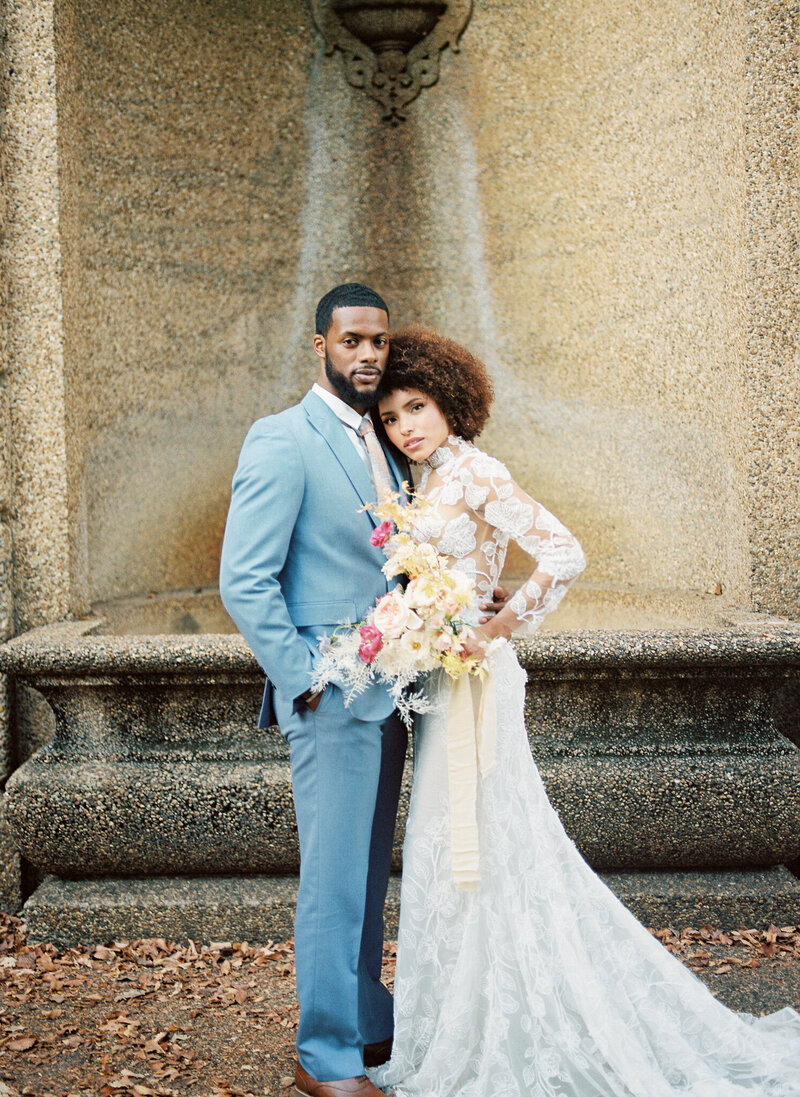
pixel 414 628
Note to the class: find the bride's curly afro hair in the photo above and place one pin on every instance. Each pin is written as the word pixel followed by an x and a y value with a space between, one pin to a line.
pixel 442 369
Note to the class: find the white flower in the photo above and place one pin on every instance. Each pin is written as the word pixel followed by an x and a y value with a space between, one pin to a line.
pixel 445 641
pixel 415 646
pixel 426 552
pixel 462 585
pixel 420 592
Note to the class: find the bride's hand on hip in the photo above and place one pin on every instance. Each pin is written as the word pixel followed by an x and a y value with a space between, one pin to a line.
pixel 501 597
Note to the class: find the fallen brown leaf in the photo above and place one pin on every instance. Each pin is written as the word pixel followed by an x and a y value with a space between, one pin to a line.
pixel 20 1043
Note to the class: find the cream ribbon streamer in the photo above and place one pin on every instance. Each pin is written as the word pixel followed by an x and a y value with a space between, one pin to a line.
pixel 471 734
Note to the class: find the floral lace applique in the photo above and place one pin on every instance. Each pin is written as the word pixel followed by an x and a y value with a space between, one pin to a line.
pixel 480 509
pixel 458 537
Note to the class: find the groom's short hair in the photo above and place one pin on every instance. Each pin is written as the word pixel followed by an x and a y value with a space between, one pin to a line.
pixel 348 295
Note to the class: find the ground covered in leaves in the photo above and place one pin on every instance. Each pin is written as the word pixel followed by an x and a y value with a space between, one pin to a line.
pixel 151 1018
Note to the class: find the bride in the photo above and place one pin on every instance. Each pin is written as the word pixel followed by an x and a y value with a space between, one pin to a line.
pixel 535 980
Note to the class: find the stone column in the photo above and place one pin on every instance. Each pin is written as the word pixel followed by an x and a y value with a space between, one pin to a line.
pixel 32 256
pixel 34 579
pixel 9 860
pixel 773 297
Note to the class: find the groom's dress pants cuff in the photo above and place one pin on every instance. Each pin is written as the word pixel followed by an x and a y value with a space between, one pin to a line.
pixel 375 1055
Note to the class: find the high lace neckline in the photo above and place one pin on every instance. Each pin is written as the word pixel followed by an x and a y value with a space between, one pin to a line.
pixel 454 447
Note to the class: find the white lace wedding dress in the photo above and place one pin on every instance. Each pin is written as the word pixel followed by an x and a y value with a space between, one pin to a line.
pixel 539 982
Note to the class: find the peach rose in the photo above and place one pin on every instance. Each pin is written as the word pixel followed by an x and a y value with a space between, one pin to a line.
pixel 392 616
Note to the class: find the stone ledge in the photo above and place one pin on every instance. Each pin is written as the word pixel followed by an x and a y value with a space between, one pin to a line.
pixel 638 652
pixel 90 818
pixel 68 649
pixel 261 908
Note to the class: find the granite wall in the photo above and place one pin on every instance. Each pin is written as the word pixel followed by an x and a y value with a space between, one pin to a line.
pixel 611 135
pixel 36 573
pixel 182 156
pixel 581 198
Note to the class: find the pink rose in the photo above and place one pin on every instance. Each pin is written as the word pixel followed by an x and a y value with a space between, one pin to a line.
pixel 381 534
pixel 371 643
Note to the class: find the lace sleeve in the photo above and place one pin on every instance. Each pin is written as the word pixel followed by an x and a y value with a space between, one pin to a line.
pixel 514 515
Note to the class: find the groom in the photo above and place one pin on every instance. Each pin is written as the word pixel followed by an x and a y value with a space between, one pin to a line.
pixel 297 561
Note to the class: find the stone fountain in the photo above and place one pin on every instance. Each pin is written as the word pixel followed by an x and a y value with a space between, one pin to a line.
pixel 158 805
pixel 551 195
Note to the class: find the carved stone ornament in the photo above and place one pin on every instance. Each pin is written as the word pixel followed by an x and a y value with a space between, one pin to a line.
pixel 391 47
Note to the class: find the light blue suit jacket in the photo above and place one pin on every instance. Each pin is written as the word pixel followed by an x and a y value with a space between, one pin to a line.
pixel 296 558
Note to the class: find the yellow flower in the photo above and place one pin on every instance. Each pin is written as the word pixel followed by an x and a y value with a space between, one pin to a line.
pixel 454 665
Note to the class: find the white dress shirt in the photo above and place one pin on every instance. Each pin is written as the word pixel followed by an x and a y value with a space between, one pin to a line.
pixel 350 420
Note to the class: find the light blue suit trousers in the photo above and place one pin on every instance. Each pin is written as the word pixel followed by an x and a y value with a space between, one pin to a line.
pixel 296 561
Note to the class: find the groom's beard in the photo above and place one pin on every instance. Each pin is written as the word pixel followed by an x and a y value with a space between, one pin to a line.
pixel 348 392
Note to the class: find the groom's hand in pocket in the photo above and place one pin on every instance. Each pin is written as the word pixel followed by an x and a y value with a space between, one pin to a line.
pixel 500 596
pixel 308 700
pixel 314 700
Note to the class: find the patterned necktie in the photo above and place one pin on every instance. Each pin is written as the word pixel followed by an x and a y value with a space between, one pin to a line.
pixel 377 458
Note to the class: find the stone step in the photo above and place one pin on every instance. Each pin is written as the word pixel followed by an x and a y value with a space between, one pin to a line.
pixel 625 812
pixel 261 908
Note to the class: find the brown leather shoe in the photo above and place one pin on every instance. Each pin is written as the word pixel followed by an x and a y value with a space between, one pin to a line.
pixel 307 1086
pixel 375 1055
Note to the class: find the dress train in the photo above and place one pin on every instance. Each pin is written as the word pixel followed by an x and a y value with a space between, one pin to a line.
pixel 540 983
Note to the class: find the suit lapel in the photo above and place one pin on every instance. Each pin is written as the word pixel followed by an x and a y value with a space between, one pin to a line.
pixel 327 424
